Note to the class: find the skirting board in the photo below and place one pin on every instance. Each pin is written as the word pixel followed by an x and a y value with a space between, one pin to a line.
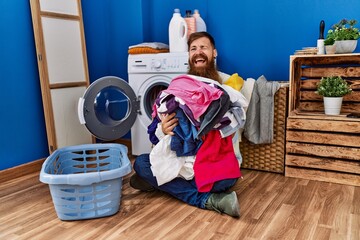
pixel 21 170
pixel 35 166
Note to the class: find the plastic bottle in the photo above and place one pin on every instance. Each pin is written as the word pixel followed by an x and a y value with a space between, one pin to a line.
pixel 200 23
pixel 320 41
pixel 177 33
pixel 190 22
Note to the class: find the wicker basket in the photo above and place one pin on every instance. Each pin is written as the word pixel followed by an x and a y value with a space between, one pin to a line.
pixel 269 157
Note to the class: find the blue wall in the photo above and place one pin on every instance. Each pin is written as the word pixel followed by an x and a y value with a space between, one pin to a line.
pixel 252 37
pixel 257 37
pixel 110 27
pixel 22 125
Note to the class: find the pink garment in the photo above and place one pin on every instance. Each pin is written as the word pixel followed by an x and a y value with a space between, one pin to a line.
pixel 197 95
pixel 215 161
pixel 154 111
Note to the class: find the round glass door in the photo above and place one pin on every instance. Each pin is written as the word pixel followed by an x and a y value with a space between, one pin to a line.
pixel 109 108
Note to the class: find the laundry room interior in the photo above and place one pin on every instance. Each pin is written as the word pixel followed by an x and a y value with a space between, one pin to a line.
pixel 300 172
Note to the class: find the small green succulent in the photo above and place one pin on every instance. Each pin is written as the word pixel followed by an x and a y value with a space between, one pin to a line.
pixel 333 86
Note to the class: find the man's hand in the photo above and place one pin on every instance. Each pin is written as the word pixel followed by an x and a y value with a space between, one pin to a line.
pixel 168 122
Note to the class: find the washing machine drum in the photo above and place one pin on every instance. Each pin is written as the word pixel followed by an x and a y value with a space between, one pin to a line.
pixel 108 108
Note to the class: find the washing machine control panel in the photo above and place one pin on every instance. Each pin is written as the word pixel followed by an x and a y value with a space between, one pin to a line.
pixel 167 64
pixel 156 64
pixel 161 62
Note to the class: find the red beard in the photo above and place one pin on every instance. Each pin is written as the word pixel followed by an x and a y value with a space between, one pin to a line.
pixel 209 71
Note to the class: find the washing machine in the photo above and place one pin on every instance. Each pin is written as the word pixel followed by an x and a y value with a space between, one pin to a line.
pixel 111 106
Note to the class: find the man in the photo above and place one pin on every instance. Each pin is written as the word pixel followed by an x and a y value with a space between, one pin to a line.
pixel 202 54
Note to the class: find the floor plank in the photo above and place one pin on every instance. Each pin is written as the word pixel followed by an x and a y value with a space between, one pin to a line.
pixel 272 207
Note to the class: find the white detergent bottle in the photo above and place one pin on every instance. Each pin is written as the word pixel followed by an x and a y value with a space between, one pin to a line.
pixel 200 23
pixel 177 33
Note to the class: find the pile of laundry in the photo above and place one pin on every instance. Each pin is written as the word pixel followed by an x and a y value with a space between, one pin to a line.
pixel 208 114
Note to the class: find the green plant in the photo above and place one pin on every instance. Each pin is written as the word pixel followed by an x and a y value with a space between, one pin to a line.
pixel 333 86
pixel 344 30
pixel 329 41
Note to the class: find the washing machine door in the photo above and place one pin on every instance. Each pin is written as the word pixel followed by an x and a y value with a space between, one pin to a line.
pixel 108 108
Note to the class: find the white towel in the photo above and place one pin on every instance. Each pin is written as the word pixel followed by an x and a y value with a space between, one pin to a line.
pixel 260 114
pixel 166 166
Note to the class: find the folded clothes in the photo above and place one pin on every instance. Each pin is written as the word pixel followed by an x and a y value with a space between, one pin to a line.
pixel 155 45
pixel 148 47
pixel 143 50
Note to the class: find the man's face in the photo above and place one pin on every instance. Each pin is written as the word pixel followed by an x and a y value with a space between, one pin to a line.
pixel 201 53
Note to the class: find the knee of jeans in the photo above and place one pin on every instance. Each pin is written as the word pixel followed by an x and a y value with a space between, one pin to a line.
pixel 141 162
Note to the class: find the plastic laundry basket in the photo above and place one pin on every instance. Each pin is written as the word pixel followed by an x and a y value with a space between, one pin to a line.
pixel 85 181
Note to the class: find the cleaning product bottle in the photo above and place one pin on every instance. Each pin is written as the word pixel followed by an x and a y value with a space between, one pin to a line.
pixel 177 33
pixel 200 23
pixel 190 22
pixel 320 41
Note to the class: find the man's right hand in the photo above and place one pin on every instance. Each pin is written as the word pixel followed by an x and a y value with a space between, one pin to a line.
pixel 168 122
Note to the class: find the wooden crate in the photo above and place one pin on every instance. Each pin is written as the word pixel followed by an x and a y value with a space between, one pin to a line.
pixel 318 146
pixel 306 72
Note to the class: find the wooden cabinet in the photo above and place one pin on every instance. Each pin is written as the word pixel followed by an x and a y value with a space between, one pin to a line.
pixel 318 146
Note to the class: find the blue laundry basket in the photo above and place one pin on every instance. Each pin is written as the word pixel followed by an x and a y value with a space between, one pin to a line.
pixel 85 181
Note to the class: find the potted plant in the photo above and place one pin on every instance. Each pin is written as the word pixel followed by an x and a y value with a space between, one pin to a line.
pixel 330 47
pixel 333 88
pixel 345 35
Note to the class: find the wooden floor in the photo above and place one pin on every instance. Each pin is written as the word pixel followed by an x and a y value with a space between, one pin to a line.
pixel 272 207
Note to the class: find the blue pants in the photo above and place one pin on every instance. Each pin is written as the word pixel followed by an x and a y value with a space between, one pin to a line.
pixel 184 190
